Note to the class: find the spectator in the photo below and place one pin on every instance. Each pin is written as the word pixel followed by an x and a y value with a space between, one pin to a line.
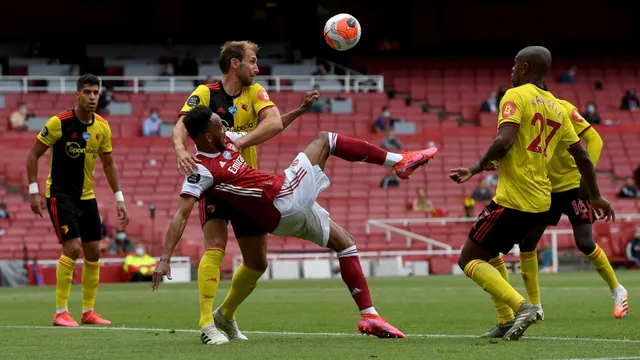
pixel 391 142
pixel 591 115
pixel 106 97
pixel 482 193
pixel 469 206
pixel 320 104
pixel 74 70
pixel 633 248
pixel 569 77
pixel 384 122
pixel 629 189
pixel 121 245
pixel 391 180
pixel 168 69
pixel 421 202
pixel 491 104
pixel 189 66
pixel 139 266
pixel 4 214
pixel 321 70
pixel 501 91
pixel 151 125
pixel 630 101
pixel 2 231
pixel 18 118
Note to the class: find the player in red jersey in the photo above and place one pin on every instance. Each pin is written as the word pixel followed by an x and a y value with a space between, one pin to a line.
pixel 284 204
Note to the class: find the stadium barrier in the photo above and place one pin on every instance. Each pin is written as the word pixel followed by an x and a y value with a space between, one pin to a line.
pixel 185 84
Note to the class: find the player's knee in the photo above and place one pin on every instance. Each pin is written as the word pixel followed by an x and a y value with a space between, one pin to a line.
pixel 258 264
pixel 584 239
pixel 72 248
pixel 91 251
pixel 215 242
pixel 322 137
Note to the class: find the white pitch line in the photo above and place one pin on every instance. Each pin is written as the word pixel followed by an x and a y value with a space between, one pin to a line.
pixel 605 358
pixel 291 333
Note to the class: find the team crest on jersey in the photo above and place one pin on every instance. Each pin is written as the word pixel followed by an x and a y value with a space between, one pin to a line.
pixel 86 136
pixel 226 155
pixel 98 137
pixel 245 106
pixel 211 208
pixel 508 109
pixel 295 162
pixel 575 115
pixel 65 229
pixel 233 110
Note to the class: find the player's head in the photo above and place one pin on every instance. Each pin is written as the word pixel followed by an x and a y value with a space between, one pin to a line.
pixel 205 128
pixel 88 92
pixel 532 63
pixel 240 59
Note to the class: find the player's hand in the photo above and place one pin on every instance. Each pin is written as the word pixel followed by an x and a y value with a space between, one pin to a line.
pixel 123 214
pixel 460 175
pixel 37 204
pixel 309 99
pixel 492 166
pixel 163 269
pixel 604 210
pixel 187 162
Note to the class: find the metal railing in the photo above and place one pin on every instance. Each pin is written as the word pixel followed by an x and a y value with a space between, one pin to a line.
pixel 185 84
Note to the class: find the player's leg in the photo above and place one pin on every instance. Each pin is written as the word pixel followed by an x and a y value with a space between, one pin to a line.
pixel 91 235
pixel 529 264
pixel 582 217
pixel 355 150
pixel 64 219
pixel 505 313
pixel 214 229
pixel 370 322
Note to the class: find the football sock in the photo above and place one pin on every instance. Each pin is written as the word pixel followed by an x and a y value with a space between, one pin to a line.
pixel 505 313
pixel 529 272
pixel 354 150
pixel 243 282
pixel 208 281
pixel 90 280
pixel 352 275
pixel 492 282
pixel 64 276
pixel 600 261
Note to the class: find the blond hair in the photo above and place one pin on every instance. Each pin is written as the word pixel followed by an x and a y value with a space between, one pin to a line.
pixel 234 50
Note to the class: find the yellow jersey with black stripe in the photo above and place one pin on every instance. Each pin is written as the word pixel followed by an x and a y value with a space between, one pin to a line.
pixel 543 126
pixel 563 172
pixel 238 113
pixel 74 149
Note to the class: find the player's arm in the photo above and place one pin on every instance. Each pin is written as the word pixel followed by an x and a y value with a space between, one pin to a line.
pixel 500 146
pixel 50 134
pixel 187 161
pixel 594 144
pixel 309 99
pixel 113 178
pixel 271 124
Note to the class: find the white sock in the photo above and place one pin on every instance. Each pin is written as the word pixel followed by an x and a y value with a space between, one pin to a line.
pixel 332 141
pixel 350 251
pixel 370 310
pixel 60 310
pixel 86 310
pixel 392 159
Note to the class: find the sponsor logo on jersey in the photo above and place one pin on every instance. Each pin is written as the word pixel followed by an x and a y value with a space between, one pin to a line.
pixel 193 178
pixel 226 155
pixel 575 115
pixel 221 111
pixel 74 135
pixel 233 110
pixel 74 150
pixel 263 96
pixel 193 100
pixel 44 132
pixel 243 127
pixel 509 109
pixel 223 163
pixel 86 136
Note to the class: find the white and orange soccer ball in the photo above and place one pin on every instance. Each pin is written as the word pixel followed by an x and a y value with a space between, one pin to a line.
pixel 342 32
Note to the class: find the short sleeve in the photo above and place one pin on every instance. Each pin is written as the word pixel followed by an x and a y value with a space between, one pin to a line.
pixel 260 99
pixel 235 135
pixel 580 125
pixel 51 132
pixel 196 184
pixel 201 96
pixel 569 137
pixel 105 144
pixel 511 107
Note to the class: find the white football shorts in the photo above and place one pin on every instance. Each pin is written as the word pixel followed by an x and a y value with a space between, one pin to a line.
pixel 302 217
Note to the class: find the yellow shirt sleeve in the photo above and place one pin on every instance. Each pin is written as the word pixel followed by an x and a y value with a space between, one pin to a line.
pixel 201 96
pixel 569 136
pixel 105 145
pixel 578 122
pixel 260 99
pixel 594 144
pixel 51 132
pixel 511 107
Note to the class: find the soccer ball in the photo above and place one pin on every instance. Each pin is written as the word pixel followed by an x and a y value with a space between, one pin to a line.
pixel 342 32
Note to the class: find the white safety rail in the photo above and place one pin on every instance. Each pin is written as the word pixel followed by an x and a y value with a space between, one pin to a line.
pixel 185 84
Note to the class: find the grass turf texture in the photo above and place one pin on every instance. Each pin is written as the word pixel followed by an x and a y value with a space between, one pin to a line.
pixel 317 319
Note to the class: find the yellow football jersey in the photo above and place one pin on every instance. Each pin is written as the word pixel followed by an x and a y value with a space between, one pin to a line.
pixel 238 113
pixel 563 172
pixel 543 126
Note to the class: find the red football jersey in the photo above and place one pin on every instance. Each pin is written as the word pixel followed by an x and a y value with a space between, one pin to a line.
pixel 227 176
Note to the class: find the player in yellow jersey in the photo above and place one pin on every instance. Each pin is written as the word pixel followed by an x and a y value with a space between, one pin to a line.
pixel 76 138
pixel 531 125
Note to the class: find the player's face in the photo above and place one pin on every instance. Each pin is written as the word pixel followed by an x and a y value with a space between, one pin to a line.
pixel 216 134
pixel 517 72
pixel 248 68
pixel 88 97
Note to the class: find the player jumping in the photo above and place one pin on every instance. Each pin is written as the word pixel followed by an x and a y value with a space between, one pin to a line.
pixel 284 205
pixel 239 102
pixel 76 138
pixel 531 125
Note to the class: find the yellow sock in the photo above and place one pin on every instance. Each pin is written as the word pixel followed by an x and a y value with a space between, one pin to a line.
pixel 492 282
pixel 208 281
pixel 600 261
pixel 64 276
pixel 244 281
pixel 505 313
pixel 90 280
pixel 529 271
